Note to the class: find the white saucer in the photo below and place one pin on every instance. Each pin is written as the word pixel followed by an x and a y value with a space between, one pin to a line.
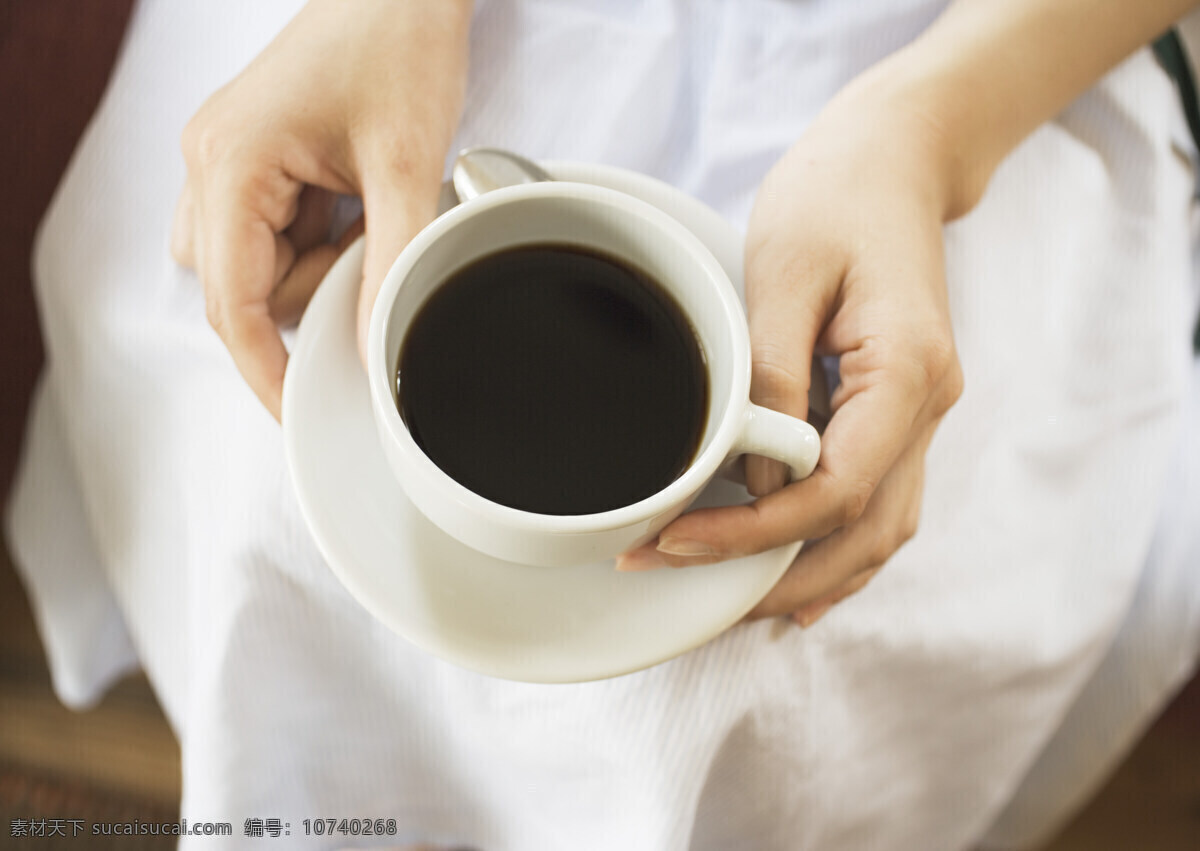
pixel 537 624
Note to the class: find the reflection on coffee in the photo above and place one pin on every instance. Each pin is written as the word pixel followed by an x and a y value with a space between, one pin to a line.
pixel 554 379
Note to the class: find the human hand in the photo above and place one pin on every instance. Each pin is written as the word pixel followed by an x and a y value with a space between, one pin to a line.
pixel 358 100
pixel 843 257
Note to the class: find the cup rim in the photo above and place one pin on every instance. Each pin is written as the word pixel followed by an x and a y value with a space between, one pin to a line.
pixel 703 466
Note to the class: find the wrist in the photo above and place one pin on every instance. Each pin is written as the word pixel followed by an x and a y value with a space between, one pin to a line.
pixel 985 75
pixel 925 110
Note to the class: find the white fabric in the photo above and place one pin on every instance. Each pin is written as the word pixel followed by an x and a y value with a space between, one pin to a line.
pixel 154 486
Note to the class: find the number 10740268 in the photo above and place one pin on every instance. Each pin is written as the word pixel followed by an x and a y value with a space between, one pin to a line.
pixel 350 827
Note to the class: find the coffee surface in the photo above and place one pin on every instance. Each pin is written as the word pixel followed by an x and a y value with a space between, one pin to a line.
pixel 555 380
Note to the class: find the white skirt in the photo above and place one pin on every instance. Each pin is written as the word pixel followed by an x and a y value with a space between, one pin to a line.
pixel 987 679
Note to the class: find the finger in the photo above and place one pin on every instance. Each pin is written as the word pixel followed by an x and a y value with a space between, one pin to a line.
pixel 812 510
pixel 825 565
pixel 394 211
pixel 873 425
pixel 314 216
pixel 183 230
pixel 290 299
pixel 787 287
pixel 801 511
pixel 241 252
pixel 808 615
pixel 291 296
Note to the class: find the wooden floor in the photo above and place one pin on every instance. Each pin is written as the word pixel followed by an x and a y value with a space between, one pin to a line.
pixel 122 749
pixel 121 758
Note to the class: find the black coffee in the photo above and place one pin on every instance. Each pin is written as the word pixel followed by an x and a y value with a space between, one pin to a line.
pixel 555 380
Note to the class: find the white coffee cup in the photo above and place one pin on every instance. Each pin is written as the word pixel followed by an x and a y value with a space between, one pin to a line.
pixel 610 222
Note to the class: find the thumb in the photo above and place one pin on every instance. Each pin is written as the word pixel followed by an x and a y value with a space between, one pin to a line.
pixel 787 304
pixel 394 213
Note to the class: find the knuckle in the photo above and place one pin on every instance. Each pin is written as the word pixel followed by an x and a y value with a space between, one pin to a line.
pixel 181 252
pixel 887 542
pixel 775 375
pixel 897 539
pixel 859 582
pixel 187 139
pixel 767 259
pixel 853 502
pixel 199 141
pixel 396 157
pixel 910 521
pixel 882 549
pixel 214 311
pixel 792 268
pixel 934 357
pixel 922 361
pixel 205 143
pixel 952 385
pixel 939 348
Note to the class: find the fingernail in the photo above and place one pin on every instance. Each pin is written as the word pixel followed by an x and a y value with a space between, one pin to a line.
pixel 639 560
pixel 683 547
pixel 809 615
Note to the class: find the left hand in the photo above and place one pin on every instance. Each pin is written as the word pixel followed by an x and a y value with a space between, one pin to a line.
pixel 362 102
pixel 843 257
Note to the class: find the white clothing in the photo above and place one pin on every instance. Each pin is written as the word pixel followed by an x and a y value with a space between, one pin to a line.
pixel 155 525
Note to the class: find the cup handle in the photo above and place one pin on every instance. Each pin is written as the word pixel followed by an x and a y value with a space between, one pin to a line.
pixel 775 435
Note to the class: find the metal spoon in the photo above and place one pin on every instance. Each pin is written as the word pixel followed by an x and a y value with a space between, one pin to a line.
pixel 479 170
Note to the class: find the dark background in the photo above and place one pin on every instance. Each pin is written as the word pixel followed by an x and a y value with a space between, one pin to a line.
pixel 55 56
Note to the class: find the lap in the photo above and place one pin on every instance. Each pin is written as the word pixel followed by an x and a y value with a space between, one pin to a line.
pixel 1064 285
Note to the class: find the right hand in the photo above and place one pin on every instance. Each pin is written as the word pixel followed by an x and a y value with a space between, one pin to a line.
pixel 843 257
pixel 358 99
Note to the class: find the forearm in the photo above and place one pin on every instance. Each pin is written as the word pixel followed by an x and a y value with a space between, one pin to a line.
pixel 988 72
